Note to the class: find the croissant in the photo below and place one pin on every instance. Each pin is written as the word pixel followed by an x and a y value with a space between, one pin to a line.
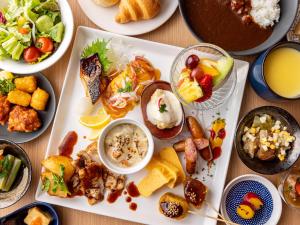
pixel 134 10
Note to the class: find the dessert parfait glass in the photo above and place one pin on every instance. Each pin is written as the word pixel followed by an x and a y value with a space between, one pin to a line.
pixel 221 92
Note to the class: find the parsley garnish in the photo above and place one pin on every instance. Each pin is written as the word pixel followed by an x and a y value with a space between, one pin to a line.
pixel 58 182
pixel 127 88
pixel 62 170
pixel 163 108
pixel 6 86
pixel 99 47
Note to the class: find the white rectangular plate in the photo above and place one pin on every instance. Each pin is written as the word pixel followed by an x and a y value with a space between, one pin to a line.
pixel 161 56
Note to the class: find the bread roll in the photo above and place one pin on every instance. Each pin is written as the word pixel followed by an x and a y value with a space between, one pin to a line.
pixel 106 3
pixel 134 10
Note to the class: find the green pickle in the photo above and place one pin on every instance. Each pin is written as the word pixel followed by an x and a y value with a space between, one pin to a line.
pixel 12 175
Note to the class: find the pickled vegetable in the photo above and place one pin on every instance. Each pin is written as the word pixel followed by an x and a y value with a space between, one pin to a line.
pixel 6 166
pixel 12 175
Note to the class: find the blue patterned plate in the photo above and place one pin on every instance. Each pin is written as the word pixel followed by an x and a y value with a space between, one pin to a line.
pixel 233 195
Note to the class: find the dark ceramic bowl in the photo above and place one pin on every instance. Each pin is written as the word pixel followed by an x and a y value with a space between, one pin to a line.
pixel 20 185
pixel 288 14
pixel 45 116
pixel 257 77
pixel 274 166
pixel 19 215
pixel 146 96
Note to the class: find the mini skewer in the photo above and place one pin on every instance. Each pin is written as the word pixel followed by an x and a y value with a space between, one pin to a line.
pixel 213 218
pixel 214 209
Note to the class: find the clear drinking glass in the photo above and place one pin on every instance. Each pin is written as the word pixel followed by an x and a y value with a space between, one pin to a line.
pixel 286 185
pixel 221 92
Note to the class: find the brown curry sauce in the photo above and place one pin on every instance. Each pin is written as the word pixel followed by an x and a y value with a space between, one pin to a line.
pixel 215 22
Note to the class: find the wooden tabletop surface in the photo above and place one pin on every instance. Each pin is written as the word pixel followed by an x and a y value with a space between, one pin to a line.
pixel 169 34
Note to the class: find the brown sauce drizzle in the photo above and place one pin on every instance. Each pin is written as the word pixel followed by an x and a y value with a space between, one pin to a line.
pixel 67 145
pixel 132 190
pixel 114 195
pixel 128 199
pixel 133 206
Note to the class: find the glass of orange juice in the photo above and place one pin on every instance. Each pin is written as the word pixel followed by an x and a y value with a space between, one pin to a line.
pixel 275 75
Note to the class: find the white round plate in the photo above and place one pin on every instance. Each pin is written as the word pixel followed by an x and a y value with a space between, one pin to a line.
pixel 105 17
pixel 20 67
pixel 273 196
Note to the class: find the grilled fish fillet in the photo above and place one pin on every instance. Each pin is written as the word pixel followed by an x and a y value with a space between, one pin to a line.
pixel 91 76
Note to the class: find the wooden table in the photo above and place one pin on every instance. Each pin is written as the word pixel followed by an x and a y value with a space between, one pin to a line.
pixel 169 34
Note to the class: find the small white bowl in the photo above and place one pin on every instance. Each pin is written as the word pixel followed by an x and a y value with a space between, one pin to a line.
pixel 21 67
pixel 115 168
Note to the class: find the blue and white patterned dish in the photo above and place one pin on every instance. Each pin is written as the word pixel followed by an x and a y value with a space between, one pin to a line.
pixel 233 195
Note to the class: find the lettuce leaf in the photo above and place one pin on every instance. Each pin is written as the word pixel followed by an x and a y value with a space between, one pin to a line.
pixel 100 47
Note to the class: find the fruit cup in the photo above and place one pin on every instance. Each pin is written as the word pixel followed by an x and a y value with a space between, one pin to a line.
pixel 203 76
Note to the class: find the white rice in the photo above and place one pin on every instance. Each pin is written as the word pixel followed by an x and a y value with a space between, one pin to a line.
pixel 265 12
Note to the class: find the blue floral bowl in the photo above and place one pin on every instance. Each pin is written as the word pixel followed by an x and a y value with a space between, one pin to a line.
pixel 239 187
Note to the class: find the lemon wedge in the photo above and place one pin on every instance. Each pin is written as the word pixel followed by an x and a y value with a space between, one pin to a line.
pixel 97 122
pixel 94 135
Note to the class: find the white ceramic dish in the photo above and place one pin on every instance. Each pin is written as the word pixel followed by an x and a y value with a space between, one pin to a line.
pixel 277 204
pixel 21 67
pixel 113 167
pixel 161 56
pixel 105 17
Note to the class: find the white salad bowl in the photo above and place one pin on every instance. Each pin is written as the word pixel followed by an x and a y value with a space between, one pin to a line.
pixel 114 167
pixel 21 67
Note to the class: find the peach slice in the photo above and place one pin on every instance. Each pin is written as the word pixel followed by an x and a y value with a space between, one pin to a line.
pixel 254 200
pixel 245 210
pixel 208 66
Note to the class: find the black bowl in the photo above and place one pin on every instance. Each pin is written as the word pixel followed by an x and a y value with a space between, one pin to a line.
pixel 273 166
pixel 15 150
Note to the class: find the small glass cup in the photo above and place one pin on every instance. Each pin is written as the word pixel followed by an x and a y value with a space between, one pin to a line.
pixel 283 188
pixel 221 92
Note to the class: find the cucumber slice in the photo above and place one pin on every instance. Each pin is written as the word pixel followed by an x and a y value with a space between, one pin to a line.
pixel 10 162
pixel 44 24
pixel 12 175
pixel 57 32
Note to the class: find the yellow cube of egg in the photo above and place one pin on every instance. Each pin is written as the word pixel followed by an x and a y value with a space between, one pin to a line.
pixel 253 130
pixel 39 99
pixel 37 216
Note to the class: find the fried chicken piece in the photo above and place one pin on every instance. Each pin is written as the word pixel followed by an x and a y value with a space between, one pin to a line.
pixel 4 109
pixel 23 119
pixel 91 178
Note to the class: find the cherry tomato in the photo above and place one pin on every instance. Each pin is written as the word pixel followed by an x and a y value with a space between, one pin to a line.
pixel 31 54
pixel 192 61
pixel 44 44
pixel 23 31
